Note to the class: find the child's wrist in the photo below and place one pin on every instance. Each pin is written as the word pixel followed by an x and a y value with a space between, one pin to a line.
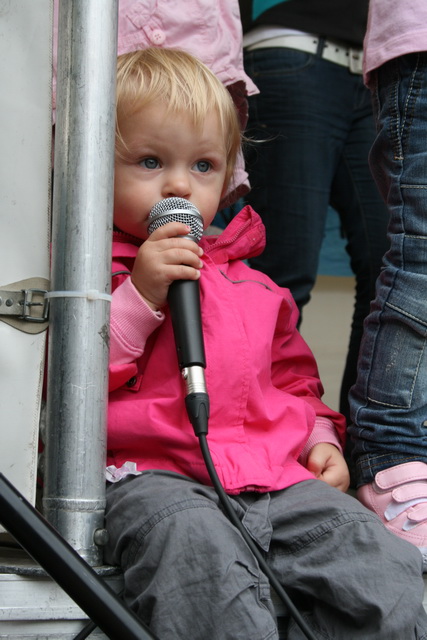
pixel 152 305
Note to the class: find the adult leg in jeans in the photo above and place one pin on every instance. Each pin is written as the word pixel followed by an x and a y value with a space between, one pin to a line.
pixel 364 218
pixel 317 122
pixel 389 400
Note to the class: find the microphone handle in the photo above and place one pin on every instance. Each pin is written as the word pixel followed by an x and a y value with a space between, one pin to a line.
pixel 184 305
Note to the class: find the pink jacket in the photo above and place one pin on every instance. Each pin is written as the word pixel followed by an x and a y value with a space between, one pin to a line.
pixel 262 379
pixel 211 30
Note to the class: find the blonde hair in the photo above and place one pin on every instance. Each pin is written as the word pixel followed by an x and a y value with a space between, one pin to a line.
pixel 182 83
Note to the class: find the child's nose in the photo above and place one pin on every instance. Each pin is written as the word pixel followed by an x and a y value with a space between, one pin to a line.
pixel 177 184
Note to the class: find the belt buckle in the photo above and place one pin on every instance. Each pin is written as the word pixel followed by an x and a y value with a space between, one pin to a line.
pixel 28 302
pixel 355 61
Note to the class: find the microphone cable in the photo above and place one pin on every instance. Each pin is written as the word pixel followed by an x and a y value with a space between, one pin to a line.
pixel 201 431
pixel 184 303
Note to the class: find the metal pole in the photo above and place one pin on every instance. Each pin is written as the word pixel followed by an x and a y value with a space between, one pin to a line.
pixel 74 494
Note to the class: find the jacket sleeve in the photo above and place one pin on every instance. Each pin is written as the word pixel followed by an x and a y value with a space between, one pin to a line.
pixel 323 432
pixel 132 322
pixel 294 370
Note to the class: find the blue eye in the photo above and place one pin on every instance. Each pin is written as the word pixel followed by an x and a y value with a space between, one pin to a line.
pixel 149 163
pixel 203 166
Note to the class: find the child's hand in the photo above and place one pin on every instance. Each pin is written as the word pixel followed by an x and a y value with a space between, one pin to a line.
pixel 163 258
pixel 327 464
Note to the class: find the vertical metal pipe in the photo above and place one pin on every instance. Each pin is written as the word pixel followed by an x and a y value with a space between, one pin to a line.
pixel 74 495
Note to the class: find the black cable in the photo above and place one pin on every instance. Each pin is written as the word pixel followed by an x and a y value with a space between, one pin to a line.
pixel 86 631
pixel 233 517
pixel 91 625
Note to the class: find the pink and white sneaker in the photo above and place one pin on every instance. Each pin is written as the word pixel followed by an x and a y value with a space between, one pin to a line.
pixel 398 496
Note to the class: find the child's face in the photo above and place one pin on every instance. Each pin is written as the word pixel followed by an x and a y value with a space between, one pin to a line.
pixel 165 156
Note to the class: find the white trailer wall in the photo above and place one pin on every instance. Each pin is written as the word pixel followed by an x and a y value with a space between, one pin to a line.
pixel 25 170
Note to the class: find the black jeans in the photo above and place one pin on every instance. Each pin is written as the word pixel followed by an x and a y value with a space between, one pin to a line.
pixel 317 122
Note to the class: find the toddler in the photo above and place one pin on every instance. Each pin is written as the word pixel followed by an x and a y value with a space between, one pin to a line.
pixel 276 447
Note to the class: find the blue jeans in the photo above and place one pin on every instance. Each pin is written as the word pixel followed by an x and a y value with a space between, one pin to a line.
pixel 389 400
pixel 316 118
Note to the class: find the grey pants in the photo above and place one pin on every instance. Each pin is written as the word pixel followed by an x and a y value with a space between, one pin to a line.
pixel 190 576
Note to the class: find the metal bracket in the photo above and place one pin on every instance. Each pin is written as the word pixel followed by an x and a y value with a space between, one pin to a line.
pixel 24 305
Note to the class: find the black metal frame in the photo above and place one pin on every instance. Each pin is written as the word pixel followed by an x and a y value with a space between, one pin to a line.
pixel 44 544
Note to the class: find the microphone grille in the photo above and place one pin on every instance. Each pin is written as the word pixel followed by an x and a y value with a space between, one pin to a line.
pixel 176 210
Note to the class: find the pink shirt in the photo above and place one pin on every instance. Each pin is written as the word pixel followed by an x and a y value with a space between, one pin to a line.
pixel 211 31
pixel 395 28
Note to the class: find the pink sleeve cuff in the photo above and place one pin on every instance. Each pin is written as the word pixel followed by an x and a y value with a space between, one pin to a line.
pixel 132 322
pixel 323 432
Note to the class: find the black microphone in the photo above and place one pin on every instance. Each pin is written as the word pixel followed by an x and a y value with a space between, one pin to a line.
pixel 184 306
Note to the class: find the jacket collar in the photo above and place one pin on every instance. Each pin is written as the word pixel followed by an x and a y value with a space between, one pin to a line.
pixel 244 237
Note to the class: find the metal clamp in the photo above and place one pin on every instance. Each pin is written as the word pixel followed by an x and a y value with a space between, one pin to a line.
pixel 25 304
pixel 22 304
pixel 28 304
